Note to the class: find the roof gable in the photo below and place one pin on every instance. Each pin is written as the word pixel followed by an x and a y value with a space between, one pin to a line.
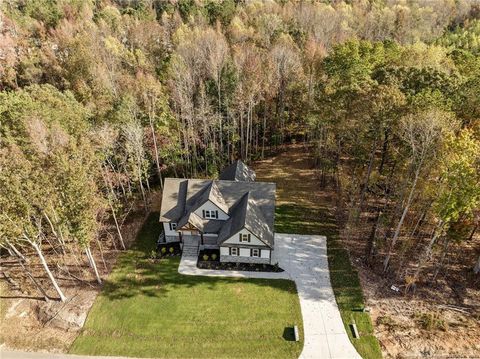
pixel 209 193
pixel 246 214
pixel 238 171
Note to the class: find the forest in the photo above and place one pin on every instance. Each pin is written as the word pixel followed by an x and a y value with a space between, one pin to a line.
pixel 100 100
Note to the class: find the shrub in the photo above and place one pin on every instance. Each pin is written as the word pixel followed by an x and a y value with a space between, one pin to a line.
pixel 153 254
pixel 205 257
pixel 164 250
pixel 432 321
pixel 386 321
pixel 214 256
pixel 171 249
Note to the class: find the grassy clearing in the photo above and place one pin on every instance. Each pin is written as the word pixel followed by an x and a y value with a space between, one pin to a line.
pixel 148 310
pixel 304 208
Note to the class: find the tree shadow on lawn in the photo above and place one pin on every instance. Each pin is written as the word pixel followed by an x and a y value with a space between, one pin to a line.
pixel 137 274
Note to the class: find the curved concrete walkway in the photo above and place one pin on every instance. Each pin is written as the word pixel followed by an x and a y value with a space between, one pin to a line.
pixel 304 258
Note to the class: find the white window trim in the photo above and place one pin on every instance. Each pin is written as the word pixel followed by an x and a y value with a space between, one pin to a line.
pixel 237 251
pixel 253 252
pixel 244 238
pixel 173 226
pixel 210 214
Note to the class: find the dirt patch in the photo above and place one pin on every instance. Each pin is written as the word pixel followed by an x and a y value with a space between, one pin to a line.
pixel 420 326
pixel 35 325
pixel 440 318
pixel 28 322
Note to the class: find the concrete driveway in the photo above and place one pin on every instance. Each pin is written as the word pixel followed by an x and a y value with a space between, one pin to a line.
pixel 304 258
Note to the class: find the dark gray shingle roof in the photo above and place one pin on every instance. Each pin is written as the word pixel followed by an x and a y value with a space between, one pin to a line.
pixel 238 171
pixel 250 204
pixel 173 199
pixel 247 214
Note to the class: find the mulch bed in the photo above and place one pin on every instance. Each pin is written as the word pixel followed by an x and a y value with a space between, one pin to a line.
pixel 216 264
pixel 171 249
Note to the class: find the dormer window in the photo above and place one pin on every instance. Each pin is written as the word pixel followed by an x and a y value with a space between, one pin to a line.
pixel 173 226
pixel 210 214
pixel 244 237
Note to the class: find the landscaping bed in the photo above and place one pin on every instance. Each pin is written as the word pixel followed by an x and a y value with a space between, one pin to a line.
pixel 168 250
pixel 210 259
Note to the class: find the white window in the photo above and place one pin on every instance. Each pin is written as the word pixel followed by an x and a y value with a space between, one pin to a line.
pixel 234 251
pixel 210 214
pixel 173 226
pixel 255 252
pixel 244 237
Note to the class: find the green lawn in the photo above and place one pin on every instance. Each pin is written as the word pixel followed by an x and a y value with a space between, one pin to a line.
pixel 148 310
pixel 305 208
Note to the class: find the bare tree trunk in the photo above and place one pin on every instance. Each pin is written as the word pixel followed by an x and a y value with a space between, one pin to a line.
pixel 367 179
pixel 264 130
pixel 21 259
pixel 147 181
pixel 220 122
pixel 256 137
pixel 45 266
pixel 426 254
pixel 370 247
pixel 119 180
pixel 141 186
pixel 242 141
pixel 402 218
pixel 122 243
pixel 155 148
pixel 248 131
pixel 17 252
pixel 384 151
pixel 476 269
pixel 93 264
pixel 420 221
pixel 60 239
pixel 112 209
pixel 470 237
pixel 281 107
pixel 101 254
pixel 442 259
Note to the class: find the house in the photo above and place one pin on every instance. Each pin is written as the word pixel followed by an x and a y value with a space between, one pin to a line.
pixel 234 214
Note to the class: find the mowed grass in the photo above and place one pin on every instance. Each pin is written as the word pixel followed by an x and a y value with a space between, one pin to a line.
pixel 147 309
pixel 305 208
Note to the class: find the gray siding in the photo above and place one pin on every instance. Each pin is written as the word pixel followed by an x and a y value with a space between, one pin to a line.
pixel 240 259
pixel 209 241
pixel 172 239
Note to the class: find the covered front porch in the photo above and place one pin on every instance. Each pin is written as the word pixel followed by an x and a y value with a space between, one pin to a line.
pixel 191 235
